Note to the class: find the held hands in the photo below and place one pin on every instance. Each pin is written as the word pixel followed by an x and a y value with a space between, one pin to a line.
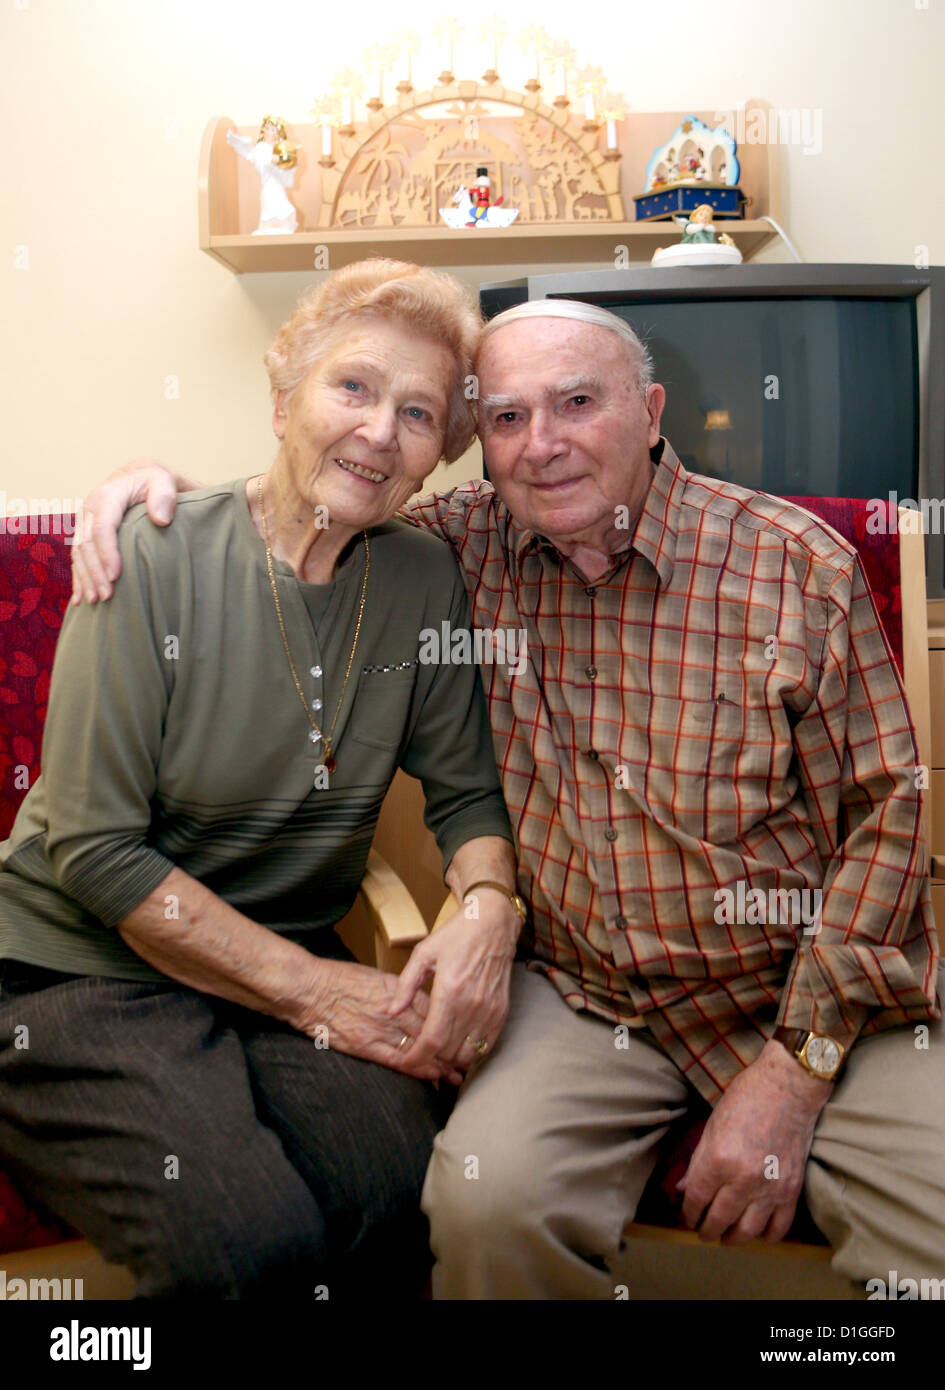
pixel 746 1175
pixel 352 1003
pixel 471 965
pixel 96 563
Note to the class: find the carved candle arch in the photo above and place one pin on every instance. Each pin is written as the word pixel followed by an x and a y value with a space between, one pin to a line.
pixel 548 164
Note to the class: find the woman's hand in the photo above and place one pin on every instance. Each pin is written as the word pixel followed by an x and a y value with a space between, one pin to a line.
pixel 96 563
pixel 471 962
pixel 353 1006
pixel 210 946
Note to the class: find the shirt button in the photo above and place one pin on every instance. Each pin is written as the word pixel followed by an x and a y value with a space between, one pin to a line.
pixel 622 923
pixel 610 834
pixel 593 754
pixel 316 704
pixel 315 671
pixel 591 590
pixel 590 672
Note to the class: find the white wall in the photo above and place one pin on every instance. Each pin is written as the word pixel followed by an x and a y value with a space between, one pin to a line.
pixel 102 107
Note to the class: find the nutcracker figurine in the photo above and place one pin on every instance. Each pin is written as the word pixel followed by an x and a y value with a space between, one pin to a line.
pixel 480 195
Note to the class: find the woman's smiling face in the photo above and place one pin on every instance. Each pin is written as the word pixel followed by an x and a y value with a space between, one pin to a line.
pixel 366 425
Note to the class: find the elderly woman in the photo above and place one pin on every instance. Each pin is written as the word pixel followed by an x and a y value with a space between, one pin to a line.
pixel 214 1092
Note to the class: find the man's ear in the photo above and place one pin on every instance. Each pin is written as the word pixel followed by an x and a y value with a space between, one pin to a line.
pixel 655 401
pixel 278 414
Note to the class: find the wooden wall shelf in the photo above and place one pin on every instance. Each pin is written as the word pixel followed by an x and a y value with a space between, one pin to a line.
pixel 533 244
pixel 228 203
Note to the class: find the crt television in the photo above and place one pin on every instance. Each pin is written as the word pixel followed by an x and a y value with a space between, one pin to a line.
pixel 801 380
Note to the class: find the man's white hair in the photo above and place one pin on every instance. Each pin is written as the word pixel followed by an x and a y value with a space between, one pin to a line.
pixel 584 313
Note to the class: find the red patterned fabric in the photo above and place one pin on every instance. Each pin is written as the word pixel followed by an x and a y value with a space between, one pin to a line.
pixel 879 554
pixel 34 591
pixel 23 1227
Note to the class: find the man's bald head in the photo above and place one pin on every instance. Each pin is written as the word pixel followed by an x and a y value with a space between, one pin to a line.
pixel 638 358
pixel 566 432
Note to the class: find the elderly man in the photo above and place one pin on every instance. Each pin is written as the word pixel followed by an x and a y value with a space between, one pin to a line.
pixel 709 718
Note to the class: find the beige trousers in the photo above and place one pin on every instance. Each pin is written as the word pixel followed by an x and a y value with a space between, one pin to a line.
pixel 554 1137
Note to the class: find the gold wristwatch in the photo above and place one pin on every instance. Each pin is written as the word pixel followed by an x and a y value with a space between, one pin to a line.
pixel 517 902
pixel 817 1053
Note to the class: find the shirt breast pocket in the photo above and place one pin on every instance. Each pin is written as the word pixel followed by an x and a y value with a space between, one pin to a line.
pixel 381 708
pixel 709 765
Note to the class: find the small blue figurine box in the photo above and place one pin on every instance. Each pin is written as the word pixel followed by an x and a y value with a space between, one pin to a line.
pixel 695 165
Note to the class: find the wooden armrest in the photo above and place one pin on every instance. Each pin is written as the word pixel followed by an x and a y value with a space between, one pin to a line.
pixel 395 914
pixel 384 923
pixel 449 907
pixel 915 650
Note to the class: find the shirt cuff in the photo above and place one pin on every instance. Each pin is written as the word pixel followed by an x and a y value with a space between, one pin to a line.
pixel 836 989
pixel 110 883
pixel 487 817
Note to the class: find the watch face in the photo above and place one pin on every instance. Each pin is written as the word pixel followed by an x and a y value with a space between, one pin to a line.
pixel 823 1055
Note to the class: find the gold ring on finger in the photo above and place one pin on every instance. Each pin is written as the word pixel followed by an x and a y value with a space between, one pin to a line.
pixel 478 1045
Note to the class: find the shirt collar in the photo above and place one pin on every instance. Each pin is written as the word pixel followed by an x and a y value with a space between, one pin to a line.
pixel 655 534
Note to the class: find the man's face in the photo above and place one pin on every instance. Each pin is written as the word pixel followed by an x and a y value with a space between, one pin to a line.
pixel 565 431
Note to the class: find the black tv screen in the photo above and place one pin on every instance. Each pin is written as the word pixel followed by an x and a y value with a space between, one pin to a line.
pixel 806 397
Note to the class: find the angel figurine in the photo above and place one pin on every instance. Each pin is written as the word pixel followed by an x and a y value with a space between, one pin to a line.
pixel 702 243
pixel 274 158
pixel 701 227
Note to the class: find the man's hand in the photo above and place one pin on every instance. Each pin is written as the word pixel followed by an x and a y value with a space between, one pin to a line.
pixel 735 1191
pixel 471 962
pixel 96 563
pixel 353 1003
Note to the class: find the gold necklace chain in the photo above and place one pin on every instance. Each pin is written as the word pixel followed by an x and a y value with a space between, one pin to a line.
pixel 316 733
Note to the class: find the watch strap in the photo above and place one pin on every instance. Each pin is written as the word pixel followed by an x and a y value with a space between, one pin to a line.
pixel 516 901
pixel 796 1041
pixel 792 1038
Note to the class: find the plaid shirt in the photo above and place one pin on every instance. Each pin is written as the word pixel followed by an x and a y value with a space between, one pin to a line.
pixel 715 719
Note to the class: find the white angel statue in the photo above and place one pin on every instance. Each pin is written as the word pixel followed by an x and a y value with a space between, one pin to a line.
pixel 274 158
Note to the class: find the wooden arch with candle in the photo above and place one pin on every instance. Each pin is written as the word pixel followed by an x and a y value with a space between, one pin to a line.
pixel 407 160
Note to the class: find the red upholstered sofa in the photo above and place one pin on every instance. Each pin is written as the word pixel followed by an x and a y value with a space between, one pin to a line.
pixel 34 591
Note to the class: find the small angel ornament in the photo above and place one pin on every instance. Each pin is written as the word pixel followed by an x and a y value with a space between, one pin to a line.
pixel 274 158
